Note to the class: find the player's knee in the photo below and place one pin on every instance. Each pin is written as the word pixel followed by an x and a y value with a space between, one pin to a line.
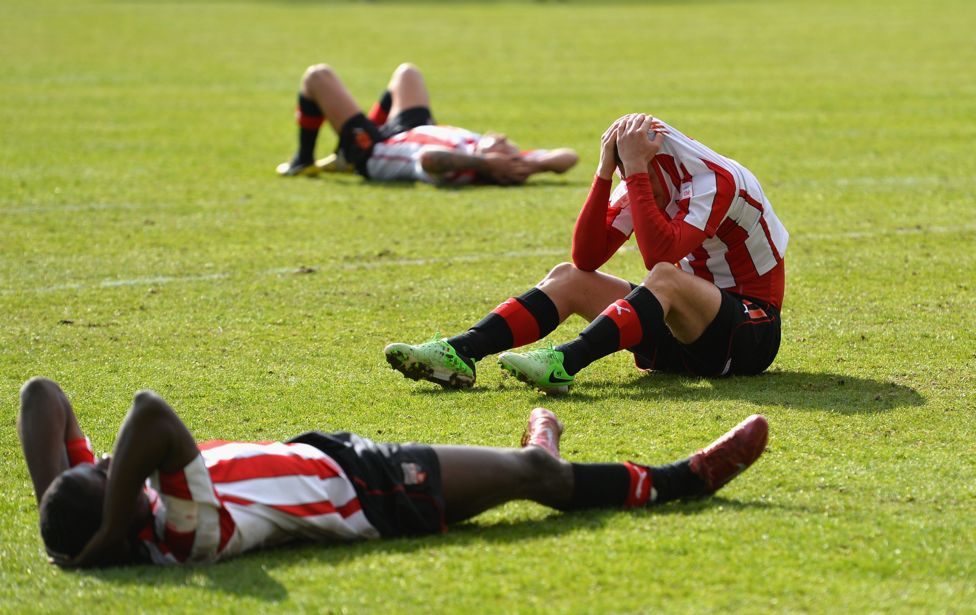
pixel 37 387
pixel 406 70
pixel 538 464
pixel 663 278
pixel 405 75
pixel 319 73
pixel 564 272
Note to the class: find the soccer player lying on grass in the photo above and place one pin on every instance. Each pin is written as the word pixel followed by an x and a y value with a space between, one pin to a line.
pixel 709 306
pixel 399 140
pixel 207 502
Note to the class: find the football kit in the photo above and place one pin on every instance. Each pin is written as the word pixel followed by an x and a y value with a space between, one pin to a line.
pixel 238 496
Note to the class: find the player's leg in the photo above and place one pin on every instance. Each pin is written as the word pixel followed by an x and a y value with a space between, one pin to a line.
pixel 322 96
pixel 475 479
pixel 407 90
pixel 517 321
pixel 49 433
pixel 669 304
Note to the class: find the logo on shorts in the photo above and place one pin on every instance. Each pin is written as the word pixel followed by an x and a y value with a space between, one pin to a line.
pixel 413 474
pixel 363 140
pixel 752 310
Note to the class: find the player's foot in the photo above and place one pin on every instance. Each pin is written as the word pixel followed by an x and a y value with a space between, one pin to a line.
pixel 296 168
pixel 436 361
pixel 543 430
pixel 730 455
pixel 334 163
pixel 542 369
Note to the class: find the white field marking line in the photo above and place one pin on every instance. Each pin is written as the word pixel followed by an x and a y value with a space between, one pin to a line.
pixel 41 209
pixel 421 262
pixel 868 181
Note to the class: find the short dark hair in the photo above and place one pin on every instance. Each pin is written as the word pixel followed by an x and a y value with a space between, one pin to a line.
pixel 70 514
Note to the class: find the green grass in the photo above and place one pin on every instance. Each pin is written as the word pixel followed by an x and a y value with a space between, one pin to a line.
pixel 146 242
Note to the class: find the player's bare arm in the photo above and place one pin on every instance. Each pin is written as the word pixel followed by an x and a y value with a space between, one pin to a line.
pixel 498 168
pixel 554 161
pixel 45 424
pixel 152 437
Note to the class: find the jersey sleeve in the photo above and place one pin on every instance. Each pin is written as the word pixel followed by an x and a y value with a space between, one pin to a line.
pixel 79 450
pixel 192 524
pixel 658 238
pixel 598 233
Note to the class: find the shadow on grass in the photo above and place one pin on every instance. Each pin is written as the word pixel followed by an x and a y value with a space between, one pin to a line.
pixel 840 393
pixel 348 179
pixel 248 576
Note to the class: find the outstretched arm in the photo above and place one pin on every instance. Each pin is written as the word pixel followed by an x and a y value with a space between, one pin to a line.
pixel 495 168
pixel 49 433
pixel 555 160
pixel 151 438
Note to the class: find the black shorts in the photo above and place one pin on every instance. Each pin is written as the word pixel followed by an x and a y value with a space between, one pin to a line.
pixel 742 340
pixel 399 486
pixel 359 134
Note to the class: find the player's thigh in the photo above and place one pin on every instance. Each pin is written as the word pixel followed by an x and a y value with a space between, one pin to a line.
pixel 586 293
pixel 323 85
pixel 689 302
pixel 408 89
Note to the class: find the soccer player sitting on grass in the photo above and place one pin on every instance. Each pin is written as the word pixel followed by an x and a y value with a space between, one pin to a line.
pixel 399 140
pixel 709 306
pixel 210 501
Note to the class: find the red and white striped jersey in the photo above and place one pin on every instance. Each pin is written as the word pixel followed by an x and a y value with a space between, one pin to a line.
pixel 744 240
pixel 237 496
pixel 398 158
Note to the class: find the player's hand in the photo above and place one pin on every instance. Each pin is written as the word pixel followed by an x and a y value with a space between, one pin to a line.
pixel 103 548
pixel 608 152
pixel 506 170
pixel 633 144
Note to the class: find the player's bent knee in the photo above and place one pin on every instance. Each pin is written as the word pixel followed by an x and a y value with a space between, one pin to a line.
pixel 319 72
pixel 564 272
pixel 538 463
pixel 664 277
pixel 406 68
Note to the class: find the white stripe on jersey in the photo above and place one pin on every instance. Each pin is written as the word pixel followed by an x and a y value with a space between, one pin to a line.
pixel 273 492
pixel 289 490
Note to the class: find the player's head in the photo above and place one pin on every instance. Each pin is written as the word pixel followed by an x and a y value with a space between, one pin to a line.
pixel 71 509
pixel 71 512
pixel 496 143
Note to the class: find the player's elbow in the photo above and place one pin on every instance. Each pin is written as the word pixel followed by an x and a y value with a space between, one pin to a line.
pixel 584 262
pixel 37 387
pixel 149 407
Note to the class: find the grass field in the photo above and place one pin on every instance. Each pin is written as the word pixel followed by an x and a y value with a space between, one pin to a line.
pixel 146 242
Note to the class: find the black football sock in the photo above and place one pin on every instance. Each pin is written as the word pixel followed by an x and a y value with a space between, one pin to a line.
pixel 622 325
pixel 676 481
pixel 310 119
pixel 517 321
pixel 598 485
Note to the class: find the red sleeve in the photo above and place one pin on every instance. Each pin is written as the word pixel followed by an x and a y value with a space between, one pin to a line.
pixel 659 239
pixel 595 241
pixel 79 451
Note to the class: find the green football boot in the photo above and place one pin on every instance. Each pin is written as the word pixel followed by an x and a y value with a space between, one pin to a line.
pixel 436 361
pixel 542 369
